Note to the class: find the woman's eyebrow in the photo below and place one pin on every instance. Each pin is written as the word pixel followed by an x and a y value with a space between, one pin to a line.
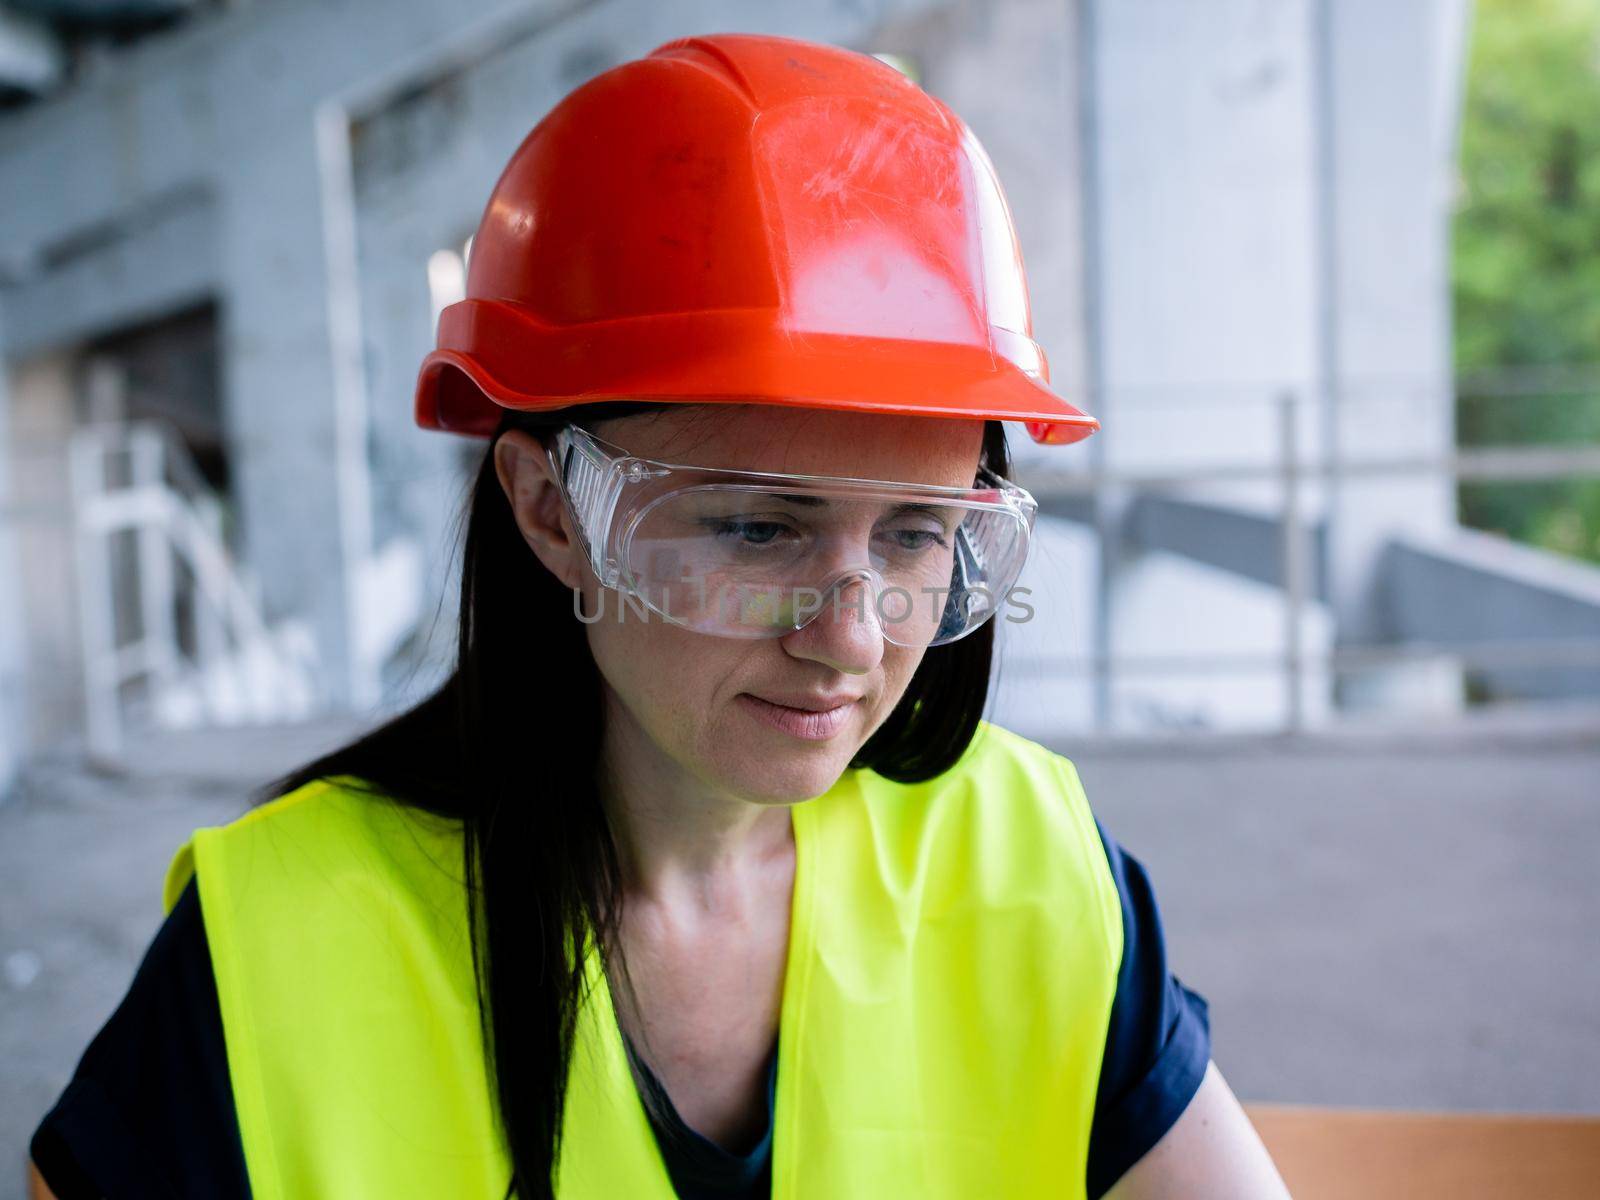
pixel 818 501
pixel 809 501
pixel 821 501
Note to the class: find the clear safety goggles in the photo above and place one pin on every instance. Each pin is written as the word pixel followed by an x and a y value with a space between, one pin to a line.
pixel 754 554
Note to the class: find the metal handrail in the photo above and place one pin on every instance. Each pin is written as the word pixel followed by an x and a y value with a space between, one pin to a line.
pixel 241 664
pixel 1106 481
pixel 1496 464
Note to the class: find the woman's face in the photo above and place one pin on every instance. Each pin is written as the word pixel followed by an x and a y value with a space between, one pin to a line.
pixel 696 703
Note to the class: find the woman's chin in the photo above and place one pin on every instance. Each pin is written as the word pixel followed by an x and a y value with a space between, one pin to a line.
pixel 787 775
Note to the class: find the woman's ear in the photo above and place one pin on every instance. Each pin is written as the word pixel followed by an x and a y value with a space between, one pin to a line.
pixel 529 483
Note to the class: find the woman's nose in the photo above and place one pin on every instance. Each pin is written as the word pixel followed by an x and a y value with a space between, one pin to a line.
pixel 845 633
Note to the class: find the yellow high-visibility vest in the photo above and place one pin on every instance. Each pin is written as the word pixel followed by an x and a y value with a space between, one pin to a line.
pixel 953 958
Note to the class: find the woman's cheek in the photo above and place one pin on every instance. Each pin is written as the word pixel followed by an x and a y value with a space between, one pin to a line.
pixel 899 665
pixel 658 670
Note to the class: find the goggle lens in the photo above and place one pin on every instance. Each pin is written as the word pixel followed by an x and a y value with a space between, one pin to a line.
pixel 755 562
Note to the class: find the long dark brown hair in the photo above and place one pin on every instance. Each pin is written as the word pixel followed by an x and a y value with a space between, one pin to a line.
pixel 544 876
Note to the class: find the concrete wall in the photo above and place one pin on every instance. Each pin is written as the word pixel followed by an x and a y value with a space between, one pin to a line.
pixel 1519 595
pixel 49 663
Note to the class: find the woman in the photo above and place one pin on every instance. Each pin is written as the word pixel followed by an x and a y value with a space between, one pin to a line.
pixel 701 876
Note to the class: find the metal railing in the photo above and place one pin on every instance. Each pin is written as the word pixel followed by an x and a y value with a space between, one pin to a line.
pixel 151 555
pixel 1082 494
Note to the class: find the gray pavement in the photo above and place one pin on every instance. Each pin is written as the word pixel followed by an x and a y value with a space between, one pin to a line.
pixel 1408 922
pixel 1401 920
pixel 82 859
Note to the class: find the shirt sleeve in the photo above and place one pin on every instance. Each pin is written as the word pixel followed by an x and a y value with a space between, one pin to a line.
pixel 149 1111
pixel 1158 1040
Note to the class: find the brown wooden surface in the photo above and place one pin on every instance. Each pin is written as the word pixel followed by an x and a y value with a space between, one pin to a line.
pixel 1343 1154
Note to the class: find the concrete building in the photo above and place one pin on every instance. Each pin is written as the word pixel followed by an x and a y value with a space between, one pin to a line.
pixel 1234 218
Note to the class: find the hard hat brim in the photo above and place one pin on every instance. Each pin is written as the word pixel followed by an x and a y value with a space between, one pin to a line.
pixel 494 355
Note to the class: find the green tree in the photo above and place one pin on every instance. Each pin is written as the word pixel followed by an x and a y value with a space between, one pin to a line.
pixel 1526 259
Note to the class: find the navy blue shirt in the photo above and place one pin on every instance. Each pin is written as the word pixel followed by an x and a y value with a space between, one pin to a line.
pixel 150 1110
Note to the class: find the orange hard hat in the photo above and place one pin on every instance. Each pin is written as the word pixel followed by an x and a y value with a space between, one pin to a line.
pixel 746 219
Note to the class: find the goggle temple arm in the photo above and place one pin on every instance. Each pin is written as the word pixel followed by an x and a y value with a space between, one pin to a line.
pixel 590 487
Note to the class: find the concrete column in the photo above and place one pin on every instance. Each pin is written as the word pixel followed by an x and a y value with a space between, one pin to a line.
pixel 1391 78
pixel 11 727
pixel 1201 168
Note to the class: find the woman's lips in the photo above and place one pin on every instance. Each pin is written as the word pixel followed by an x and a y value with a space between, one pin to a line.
pixel 813 726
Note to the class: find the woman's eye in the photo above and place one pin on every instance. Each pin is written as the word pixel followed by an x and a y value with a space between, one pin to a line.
pixel 916 539
pixel 750 533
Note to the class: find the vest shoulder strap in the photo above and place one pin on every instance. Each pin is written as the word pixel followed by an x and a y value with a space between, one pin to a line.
pixel 945 1020
pixel 337 925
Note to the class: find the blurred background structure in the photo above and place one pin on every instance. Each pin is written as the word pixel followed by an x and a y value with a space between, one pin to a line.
pixel 1329 273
